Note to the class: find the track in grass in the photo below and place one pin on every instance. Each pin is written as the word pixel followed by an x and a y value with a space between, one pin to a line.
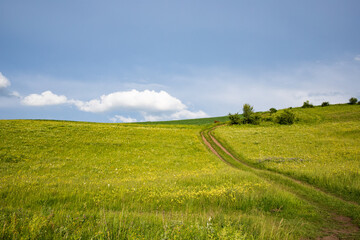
pixel 127 181
pixel 341 225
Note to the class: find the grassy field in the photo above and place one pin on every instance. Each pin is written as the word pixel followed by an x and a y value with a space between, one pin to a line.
pixel 321 149
pixel 72 180
pixel 130 181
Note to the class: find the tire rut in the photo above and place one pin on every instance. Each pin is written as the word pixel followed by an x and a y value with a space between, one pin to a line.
pixel 344 226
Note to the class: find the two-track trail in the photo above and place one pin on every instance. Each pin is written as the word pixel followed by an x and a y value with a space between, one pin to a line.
pixel 343 217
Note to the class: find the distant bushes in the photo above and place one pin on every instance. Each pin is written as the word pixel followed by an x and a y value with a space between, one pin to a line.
pixel 353 100
pixel 235 118
pixel 325 104
pixel 287 117
pixel 272 111
pixel 250 117
pixel 307 105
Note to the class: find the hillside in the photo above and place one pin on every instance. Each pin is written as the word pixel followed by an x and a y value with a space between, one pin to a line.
pixel 321 149
pixel 160 181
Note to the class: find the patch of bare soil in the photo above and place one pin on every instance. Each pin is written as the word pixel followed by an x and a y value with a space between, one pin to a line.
pixel 211 148
pixel 345 229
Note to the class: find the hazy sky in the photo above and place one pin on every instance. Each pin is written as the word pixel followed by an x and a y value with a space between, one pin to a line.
pixel 157 60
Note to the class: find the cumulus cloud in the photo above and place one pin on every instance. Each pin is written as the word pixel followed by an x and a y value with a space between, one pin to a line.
pixel 152 105
pixel 44 99
pixel 118 118
pixel 183 114
pixel 148 101
pixel 4 82
pixel 188 114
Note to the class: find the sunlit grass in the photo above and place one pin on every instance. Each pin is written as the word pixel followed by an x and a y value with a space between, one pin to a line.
pixel 125 181
pixel 322 148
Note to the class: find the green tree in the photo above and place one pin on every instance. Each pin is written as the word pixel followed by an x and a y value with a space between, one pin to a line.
pixel 273 110
pixel 248 111
pixel 324 104
pixel 353 100
pixel 307 105
pixel 250 117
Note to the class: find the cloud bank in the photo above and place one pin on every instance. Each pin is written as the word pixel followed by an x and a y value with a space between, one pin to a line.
pixel 152 105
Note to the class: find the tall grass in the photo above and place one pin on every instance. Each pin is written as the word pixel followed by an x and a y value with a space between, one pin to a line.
pixel 321 149
pixel 125 181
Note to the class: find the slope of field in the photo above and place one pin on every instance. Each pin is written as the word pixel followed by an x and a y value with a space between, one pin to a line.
pixel 321 149
pixel 115 181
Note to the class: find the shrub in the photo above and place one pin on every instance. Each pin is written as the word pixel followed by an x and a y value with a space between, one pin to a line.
pixel 287 117
pixel 307 105
pixel 249 116
pixel 273 110
pixel 353 100
pixel 324 104
pixel 234 118
pixel 256 118
pixel 268 119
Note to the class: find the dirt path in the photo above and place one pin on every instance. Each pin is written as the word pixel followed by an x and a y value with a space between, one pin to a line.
pixel 342 227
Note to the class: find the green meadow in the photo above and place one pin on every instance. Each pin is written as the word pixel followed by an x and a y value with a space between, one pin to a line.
pixel 78 180
pixel 322 148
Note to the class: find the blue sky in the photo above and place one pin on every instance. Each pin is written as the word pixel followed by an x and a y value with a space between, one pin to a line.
pixel 116 61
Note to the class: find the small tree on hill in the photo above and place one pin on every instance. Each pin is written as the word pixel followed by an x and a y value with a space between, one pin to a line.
pixel 307 105
pixel 273 110
pixel 324 104
pixel 353 100
pixel 248 112
pixel 249 116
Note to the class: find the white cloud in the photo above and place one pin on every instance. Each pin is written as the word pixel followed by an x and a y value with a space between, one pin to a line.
pixel 357 58
pixel 15 94
pixel 147 101
pixel 182 114
pixel 4 92
pixel 44 99
pixel 4 82
pixel 118 118
pixel 152 105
